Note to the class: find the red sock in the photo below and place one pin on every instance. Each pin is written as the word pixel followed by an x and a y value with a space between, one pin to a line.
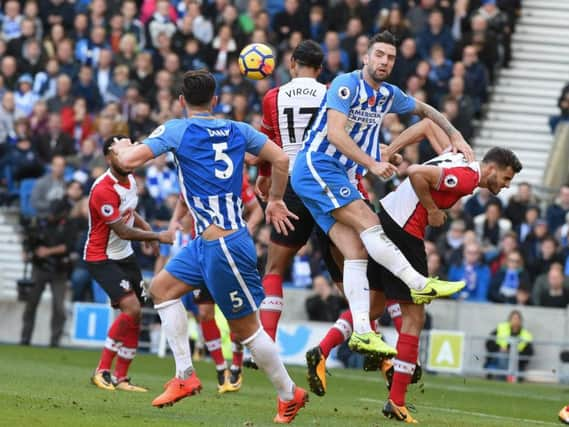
pixel 114 340
pixel 394 310
pixel 237 348
pixel 404 367
pixel 212 338
pixel 272 305
pixel 338 333
pixel 127 351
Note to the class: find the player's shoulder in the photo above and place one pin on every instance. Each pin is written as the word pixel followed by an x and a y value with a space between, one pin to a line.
pixel 170 127
pixel 351 79
pixel 103 186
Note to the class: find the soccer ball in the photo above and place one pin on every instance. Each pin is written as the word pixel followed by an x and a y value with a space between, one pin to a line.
pixel 257 61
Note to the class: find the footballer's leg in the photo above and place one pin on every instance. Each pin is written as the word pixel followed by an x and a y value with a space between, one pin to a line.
pixel 365 223
pixel 212 337
pixel 114 278
pixel 231 267
pixel 281 252
pixel 166 289
pixel 236 368
pixel 279 258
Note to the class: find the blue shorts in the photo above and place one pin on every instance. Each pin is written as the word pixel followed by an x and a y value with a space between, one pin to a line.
pixel 322 184
pixel 227 267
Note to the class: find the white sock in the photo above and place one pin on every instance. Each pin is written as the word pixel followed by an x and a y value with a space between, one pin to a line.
pixel 266 355
pixel 356 289
pixel 384 252
pixel 175 325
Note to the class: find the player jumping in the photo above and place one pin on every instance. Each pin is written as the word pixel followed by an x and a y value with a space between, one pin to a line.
pixel 343 143
pixel 113 223
pixel 210 154
pixel 404 214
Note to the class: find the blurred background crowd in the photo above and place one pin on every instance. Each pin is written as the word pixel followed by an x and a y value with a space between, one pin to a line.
pixel 73 73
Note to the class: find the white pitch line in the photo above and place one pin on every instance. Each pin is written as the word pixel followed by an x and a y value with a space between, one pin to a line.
pixel 470 413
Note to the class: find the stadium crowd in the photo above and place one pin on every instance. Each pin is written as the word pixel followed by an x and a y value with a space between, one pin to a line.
pixel 73 73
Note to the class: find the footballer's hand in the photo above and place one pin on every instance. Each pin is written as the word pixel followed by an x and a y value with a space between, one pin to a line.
pixel 153 247
pixel 396 159
pixel 121 143
pixel 460 145
pixel 166 237
pixel 383 169
pixel 437 217
pixel 278 214
pixel 262 187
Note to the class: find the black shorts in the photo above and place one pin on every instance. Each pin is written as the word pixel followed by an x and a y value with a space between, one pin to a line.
pixel 325 244
pixel 202 296
pixel 118 278
pixel 302 226
pixel 381 279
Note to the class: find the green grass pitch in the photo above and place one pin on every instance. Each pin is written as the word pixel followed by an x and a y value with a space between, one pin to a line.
pixel 50 387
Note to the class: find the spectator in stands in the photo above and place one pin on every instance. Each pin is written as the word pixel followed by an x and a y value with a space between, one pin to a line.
pixel 474 273
pixel 476 204
pixel 317 27
pixel 557 211
pixel 405 63
pixel 326 305
pixel 7 117
pixel 556 294
pixel 547 254
pixel 34 59
pixel 86 87
pixel 439 74
pixel 497 259
pixel 436 33
pixel 395 23
pixel 62 98
pixel 22 160
pixel 418 15
pixel 161 180
pixel 291 19
pixel 11 21
pixel 532 214
pixel 499 23
pixel 465 103
pixel 518 204
pixel 9 72
pixel 49 188
pixel 48 246
pixel 28 32
pixel 531 246
pixel 141 125
pixel 485 40
pixel 512 284
pixel 490 227
pixel 435 266
pixel 450 244
pixel 476 77
pixel 458 117
pixel 563 116
pixel 56 142
pixel 498 346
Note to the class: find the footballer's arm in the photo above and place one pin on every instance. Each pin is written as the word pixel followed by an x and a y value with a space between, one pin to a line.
pixel 426 128
pixel 126 232
pixel 456 139
pixel 425 178
pixel 131 156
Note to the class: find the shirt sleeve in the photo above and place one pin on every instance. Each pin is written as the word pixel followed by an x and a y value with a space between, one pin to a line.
pixel 459 180
pixel 106 203
pixel 166 137
pixel 341 93
pixel 402 103
pixel 255 139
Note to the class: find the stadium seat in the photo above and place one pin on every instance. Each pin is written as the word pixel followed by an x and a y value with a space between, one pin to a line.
pixel 26 187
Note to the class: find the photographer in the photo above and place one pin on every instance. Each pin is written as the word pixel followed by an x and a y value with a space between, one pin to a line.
pixel 47 244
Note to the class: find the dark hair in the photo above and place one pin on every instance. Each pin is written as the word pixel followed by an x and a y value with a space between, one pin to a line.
pixel 109 143
pixel 308 53
pixel 503 158
pixel 198 87
pixel 383 37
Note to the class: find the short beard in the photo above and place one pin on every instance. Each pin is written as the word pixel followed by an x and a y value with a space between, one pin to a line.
pixel 372 76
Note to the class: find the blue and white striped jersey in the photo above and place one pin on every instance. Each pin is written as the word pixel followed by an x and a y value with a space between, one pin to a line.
pixel 365 107
pixel 209 154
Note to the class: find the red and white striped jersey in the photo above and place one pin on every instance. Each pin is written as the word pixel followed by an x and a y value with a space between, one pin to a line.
pixel 109 201
pixel 288 111
pixel 458 179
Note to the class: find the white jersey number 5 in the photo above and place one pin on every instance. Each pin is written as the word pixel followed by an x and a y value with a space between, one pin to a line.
pixel 220 156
